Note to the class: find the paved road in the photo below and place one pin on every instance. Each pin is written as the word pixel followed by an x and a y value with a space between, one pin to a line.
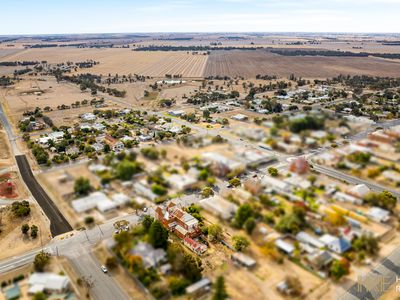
pixel 58 223
pixel 103 285
pixel 351 179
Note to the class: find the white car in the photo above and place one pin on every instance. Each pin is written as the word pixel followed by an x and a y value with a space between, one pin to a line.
pixel 104 269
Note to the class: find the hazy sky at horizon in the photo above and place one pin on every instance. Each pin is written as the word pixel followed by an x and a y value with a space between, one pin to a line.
pixel 101 16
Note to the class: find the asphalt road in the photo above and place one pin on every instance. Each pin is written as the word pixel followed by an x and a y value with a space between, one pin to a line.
pixel 103 286
pixel 351 179
pixel 58 223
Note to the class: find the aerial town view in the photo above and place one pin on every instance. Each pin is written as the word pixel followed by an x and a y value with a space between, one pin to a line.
pixel 211 150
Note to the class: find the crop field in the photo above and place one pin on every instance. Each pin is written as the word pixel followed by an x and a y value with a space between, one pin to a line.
pixel 250 63
pixel 121 61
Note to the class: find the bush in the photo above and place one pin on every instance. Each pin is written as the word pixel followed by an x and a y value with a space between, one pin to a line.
pixel 178 285
pixel 34 231
pixel 89 220
pixel 20 208
pixel 25 228
pixel 240 242
pixel 111 262
pixel 82 186
pixel 42 259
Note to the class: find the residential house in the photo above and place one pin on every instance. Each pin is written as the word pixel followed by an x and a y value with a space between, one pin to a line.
pixel 88 117
pixel 378 214
pixel 48 282
pixel 198 288
pixel 336 244
pixel 151 258
pixel 195 246
pixel 243 260
pixel 219 207
pixel 114 144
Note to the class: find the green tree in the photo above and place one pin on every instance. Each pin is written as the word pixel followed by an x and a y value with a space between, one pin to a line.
pixel 82 186
pixel 192 267
pixel 126 169
pixel 34 231
pixel 207 192
pixel 249 225
pixel 178 285
pixel 339 268
pixel 39 296
pixel 244 212
pixel 220 289
pixel 20 208
pixel 158 235
pixel 25 228
pixel 385 200
pixel 146 222
pixel 42 259
pixel 273 171
pixel 366 243
pixel 215 232
pixel 240 242
pixel 235 182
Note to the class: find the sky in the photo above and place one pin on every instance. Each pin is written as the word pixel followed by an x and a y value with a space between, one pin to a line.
pixel 121 16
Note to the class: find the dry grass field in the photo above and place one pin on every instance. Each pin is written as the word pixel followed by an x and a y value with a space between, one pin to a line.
pixel 250 63
pixel 121 61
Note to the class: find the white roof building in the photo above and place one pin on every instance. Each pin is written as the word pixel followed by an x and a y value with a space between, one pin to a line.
pixel 181 182
pixel 359 190
pixel 96 199
pixel 54 136
pixel 378 214
pixel 347 198
pixel 49 282
pixel 274 183
pixel 219 206
pixel 88 117
pixel 240 117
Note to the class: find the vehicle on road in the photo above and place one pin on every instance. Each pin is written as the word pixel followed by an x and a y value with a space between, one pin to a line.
pixel 104 269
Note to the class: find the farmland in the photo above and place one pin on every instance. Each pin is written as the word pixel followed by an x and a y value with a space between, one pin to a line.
pixel 122 61
pixel 250 63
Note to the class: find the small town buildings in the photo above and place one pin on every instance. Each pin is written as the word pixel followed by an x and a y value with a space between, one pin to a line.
pixel 143 190
pixel 115 145
pixel 243 260
pixel 391 175
pixel 378 214
pixel 182 182
pixel 88 117
pixel 343 197
pixel 255 157
pixel 240 117
pixel 198 288
pixel 319 260
pixel 176 113
pixel 53 136
pixel 305 238
pixel 336 244
pixel 222 165
pixel 97 200
pixel 48 282
pixel 219 207
pixel 195 246
pixel 151 258
pixel 359 190
pixel 13 292
pixel 178 221
pixel 284 246
pixel 299 166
